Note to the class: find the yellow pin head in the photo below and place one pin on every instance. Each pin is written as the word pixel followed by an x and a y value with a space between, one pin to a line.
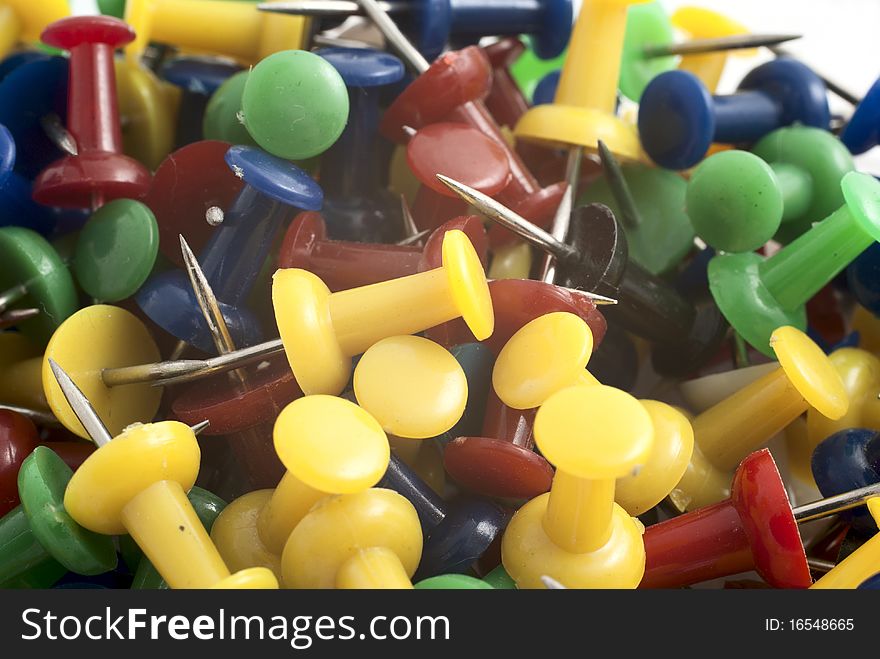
pixel 467 283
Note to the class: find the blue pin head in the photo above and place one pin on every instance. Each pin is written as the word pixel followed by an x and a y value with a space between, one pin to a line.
pixel 278 179
pixel 863 278
pixel 198 75
pixel 553 33
pixel 430 23
pixel 545 91
pixel 873 583
pixel 364 67
pixel 801 93
pixel 863 130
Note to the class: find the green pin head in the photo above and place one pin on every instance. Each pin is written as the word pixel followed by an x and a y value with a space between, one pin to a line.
pixel 222 120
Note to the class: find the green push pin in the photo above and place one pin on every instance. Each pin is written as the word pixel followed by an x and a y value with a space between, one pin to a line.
pixel 116 250
pixel 452 582
pixel 207 506
pixel 658 232
pixel 758 295
pixel 295 104
pixel 737 201
pixel 40 532
pixel 33 275
pixel 222 119
pixel 112 8
pixel 646 25
pixel 499 579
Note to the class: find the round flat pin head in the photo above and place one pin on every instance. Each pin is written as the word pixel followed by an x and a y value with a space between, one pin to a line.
pixel 11 62
pixel 676 120
pixel 307 229
pixel 412 386
pixel 736 285
pixel 69 33
pixel 873 583
pixel 143 455
pixel 77 181
pixel 252 578
pixel 187 183
pixel 364 67
pixel 467 284
pixel 331 444
pixel 42 482
pixel 594 432
pixel 231 409
pixel 460 152
pixel 734 201
pixel 116 250
pixel 18 438
pixel 237 535
pixel 222 119
pixel 545 356
pixel 810 371
pixel 801 93
pixel 91 340
pixel 545 90
pixel 198 75
pixel 646 25
pixel 554 30
pixel 300 300
pixel 430 23
pixel 759 496
pixel 30 260
pixel 862 195
pixel 863 130
pixel 112 7
pixel 665 235
pixel 295 104
pixel 452 582
pixel 148 129
pixel 275 178
pixel 497 468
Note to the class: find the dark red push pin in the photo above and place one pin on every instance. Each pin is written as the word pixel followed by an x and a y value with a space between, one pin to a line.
pixel 442 147
pixel 453 89
pixel 342 264
pixel 99 172
pixel 755 529
pixel 505 100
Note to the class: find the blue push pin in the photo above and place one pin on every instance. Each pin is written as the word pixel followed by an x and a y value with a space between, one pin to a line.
pixel 863 130
pixel 847 460
pixel 199 78
pixel 431 24
pixel 17 207
pixel 872 583
pixel 863 278
pixel 275 190
pixel 679 119
pixel 545 91
pixel 15 60
pixel 356 205
pixel 29 94
pixel 476 361
pixel 457 534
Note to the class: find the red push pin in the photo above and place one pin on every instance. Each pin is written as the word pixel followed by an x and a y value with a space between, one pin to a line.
pixel 505 100
pixel 342 265
pixel 99 172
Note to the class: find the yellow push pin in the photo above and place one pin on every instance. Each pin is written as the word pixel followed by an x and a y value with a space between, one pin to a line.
pixel 137 484
pixel 24 20
pixel 145 109
pixel 20 364
pixel 593 435
pixel 413 387
pixel 583 111
pixel 745 421
pixel 91 341
pixel 701 23
pixel 329 446
pixel 222 27
pixel 513 261
pixel 370 540
pixel 321 331
pixel 862 564
pixel 551 353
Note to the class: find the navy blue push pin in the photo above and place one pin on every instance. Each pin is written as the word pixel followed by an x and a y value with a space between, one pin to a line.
pixel 863 278
pixel 476 360
pixel 431 24
pixel 456 534
pixel 545 90
pixel 679 119
pixel 17 207
pixel 847 460
pixel 873 583
pixel 862 132
pixel 275 190
pixel 199 78
pixel 15 60
pixel 356 205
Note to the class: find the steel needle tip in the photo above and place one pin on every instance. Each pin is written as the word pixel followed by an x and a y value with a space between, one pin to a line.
pixel 81 406
pixel 199 427
pixel 552 584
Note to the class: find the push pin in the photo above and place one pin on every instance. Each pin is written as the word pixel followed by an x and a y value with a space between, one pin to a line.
pixel 685 335
pixel 791 181
pixel 320 352
pixel 99 172
pixel 370 539
pixel 328 446
pixel 861 564
pixel 24 21
pixel 161 462
pixel 755 529
pixel 41 531
pixel 452 582
pixel 861 132
pixel 16 205
pixel 757 295
pixel 505 102
pixel 236 250
pixel 21 384
pixel 679 119
pixel 746 420
pixel 228 28
pixel 548 22
pixel 576 531
pixel 863 282
pixel 145 113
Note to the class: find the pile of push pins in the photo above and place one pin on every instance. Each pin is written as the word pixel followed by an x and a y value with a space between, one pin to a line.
pixel 354 294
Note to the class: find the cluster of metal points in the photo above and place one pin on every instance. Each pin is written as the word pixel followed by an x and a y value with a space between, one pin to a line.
pixel 363 363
